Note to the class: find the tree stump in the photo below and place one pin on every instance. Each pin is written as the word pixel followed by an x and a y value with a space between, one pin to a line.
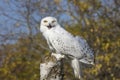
pixel 52 68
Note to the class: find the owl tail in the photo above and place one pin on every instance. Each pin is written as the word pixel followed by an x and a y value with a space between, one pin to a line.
pixel 76 67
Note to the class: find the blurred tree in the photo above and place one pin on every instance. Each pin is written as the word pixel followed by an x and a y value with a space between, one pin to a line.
pixel 98 21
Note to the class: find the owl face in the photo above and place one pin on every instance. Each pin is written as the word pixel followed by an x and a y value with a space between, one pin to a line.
pixel 49 22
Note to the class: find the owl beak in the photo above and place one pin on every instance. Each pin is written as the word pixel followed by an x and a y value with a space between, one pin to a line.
pixel 49 26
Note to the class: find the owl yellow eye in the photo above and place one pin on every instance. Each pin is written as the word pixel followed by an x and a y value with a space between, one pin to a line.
pixel 45 21
pixel 53 21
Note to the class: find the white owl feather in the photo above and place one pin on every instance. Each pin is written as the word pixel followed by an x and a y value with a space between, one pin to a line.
pixel 62 42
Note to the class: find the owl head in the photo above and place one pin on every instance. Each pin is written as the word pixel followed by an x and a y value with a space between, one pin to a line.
pixel 48 23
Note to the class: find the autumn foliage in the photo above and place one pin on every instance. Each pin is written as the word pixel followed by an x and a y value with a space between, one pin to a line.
pixel 96 21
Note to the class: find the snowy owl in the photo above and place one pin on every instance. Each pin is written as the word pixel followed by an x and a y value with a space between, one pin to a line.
pixel 63 42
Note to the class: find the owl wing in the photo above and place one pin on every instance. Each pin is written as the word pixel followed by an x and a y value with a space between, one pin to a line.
pixel 63 42
pixel 88 54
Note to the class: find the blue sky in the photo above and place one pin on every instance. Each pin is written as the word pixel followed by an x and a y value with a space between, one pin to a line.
pixel 8 23
pixel 11 25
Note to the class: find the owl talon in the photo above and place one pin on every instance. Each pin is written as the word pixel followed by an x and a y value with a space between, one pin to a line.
pixel 58 56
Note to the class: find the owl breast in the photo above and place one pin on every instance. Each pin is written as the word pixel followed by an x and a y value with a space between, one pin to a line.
pixel 64 44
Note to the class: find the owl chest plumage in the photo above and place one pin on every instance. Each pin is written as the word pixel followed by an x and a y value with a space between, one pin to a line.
pixel 63 42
